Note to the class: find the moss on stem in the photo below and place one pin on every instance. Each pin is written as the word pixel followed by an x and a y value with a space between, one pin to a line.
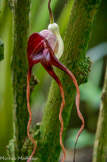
pixel 19 72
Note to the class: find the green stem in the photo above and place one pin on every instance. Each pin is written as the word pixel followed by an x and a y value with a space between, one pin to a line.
pixel 76 41
pixel 19 72
pixel 100 145
pixel 50 13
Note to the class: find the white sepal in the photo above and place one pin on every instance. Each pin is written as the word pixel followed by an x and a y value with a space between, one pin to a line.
pixel 55 29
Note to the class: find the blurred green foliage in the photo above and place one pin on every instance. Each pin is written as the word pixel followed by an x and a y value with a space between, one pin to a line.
pixel 86 139
pixel 39 20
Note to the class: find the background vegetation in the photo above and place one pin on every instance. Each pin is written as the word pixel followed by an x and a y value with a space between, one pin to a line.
pixel 90 92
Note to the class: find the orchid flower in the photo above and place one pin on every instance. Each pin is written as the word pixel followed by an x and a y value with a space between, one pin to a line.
pixel 46 47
